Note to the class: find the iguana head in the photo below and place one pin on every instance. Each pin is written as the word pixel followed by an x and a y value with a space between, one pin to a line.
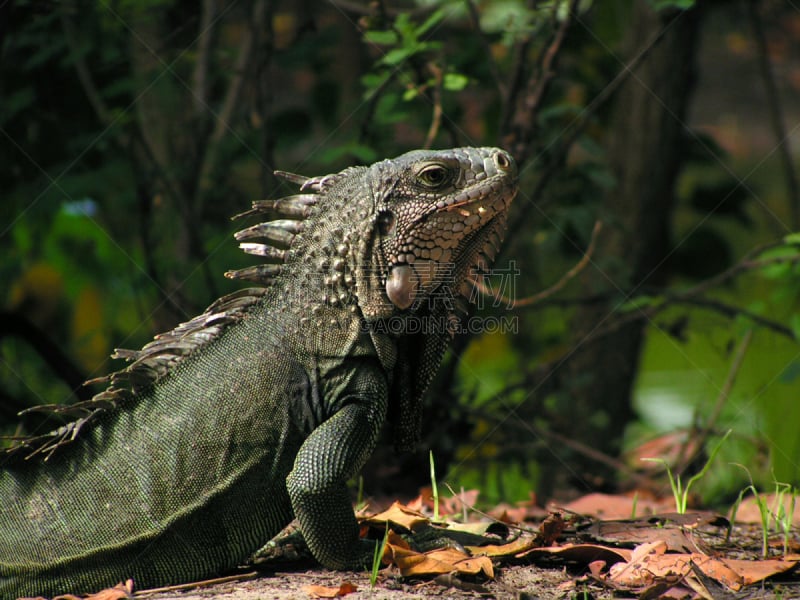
pixel 388 237
pixel 438 214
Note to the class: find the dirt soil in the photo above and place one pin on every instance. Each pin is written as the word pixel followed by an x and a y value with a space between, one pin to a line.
pixel 548 577
pixel 513 582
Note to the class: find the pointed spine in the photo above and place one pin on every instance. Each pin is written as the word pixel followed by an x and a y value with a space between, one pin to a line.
pixel 281 232
pixel 263 274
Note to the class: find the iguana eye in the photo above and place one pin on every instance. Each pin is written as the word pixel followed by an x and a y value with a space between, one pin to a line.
pixel 433 176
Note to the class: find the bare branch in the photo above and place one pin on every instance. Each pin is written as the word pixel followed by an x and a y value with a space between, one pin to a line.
pixel 580 123
pixel 698 441
pixel 436 119
pixel 731 311
pixel 748 263
pixel 523 123
pixel 557 286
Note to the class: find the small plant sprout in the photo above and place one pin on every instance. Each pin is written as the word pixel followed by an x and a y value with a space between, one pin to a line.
pixel 377 557
pixel 434 489
pixel 782 516
pixel 360 496
pixel 763 511
pixel 734 511
pixel 679 491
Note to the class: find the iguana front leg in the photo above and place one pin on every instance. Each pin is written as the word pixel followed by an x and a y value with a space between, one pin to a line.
pixel 333 453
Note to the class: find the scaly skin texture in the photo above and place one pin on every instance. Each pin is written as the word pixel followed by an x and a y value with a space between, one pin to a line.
pixel 259 410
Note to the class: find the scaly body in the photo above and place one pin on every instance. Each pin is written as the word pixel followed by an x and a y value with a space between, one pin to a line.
pixel 224 429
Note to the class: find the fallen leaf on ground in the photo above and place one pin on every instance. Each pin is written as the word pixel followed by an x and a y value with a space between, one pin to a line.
pixel 521 544
pixel 752 571
pixel 526 510
pixel 400 515
pixel 435 562
pixel 608 506
pixel 582 553
pixel 323 591
pixel 480 528
pixel 651 562
pixel 673 528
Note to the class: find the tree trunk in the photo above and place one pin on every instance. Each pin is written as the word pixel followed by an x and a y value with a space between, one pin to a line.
pixel 646 150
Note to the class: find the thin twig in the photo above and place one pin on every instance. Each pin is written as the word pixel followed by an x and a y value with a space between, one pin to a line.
pixel 436 118
pixel 693 296
pixel 776 118
pixel 533 100
pixel 580 123
pixel 697 442
pixel 553 289
pixel 727 386
pixel 747 263
pixel 524 125
pixel 731 311
pixel 591 453
pixel 135 144
pixel 198 584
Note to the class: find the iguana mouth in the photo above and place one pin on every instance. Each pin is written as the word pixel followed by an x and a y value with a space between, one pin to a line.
pixel 407 279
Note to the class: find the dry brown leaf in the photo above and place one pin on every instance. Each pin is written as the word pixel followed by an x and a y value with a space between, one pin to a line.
pixel 650 562
pixel 521 544
pixel 400 515
pixel 479 528
pixel 551 528
pixel 435 562
pixel 526 510
pixel 608 506
pixel 582 553
pixel 323 591
pixel 673 528
pixel 752 571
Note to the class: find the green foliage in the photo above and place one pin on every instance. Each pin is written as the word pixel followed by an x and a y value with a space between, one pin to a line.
pixel 672 4
pixel 779 517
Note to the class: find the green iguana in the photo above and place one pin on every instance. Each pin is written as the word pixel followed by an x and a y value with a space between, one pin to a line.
pixel 260 409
